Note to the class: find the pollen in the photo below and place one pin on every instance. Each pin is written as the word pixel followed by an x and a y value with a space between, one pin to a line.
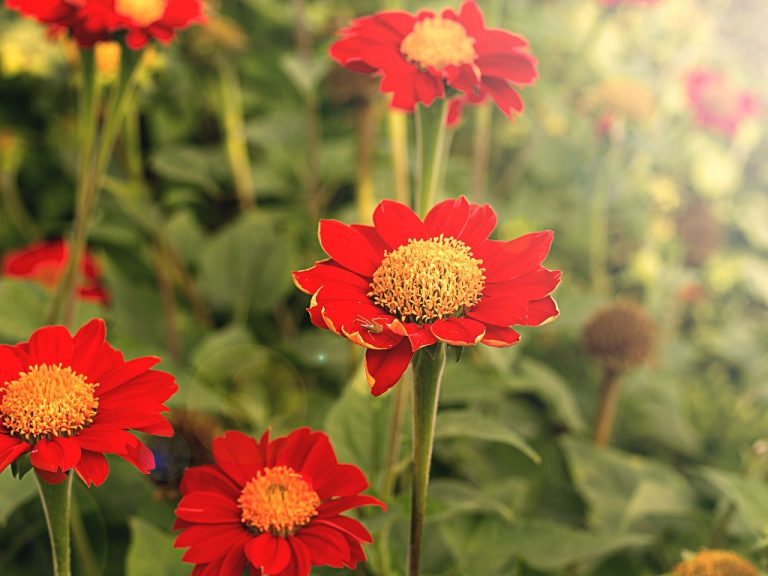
pixel 438 42
pixel 716 563
pixel 278 500
pixel 428 279
pixel 142 12
pixel 48 401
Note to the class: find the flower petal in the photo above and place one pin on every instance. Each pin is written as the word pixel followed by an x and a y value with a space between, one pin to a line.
pixel 348 247
pixel 87 344
pixel 329 272
pixel 56 455
pixel 208 508
pixel 92 468
pixel 271 554
pixel 507 260
pixel 541 311
pixel 396 223
pixel 383 368
pixel 500 337
pixel 480 223
pixel 327 546
pixel 10 449
pixel 208 477
pixel 51 345
pixel 238 455
pixel 448 217
pixel 458 331
pixel 339 480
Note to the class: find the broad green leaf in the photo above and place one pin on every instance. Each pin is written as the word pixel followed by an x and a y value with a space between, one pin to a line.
pixel 14 492
pixel 151 551
pixel 750 495
pixel 23 306
pixel 476 426
pixel 479 545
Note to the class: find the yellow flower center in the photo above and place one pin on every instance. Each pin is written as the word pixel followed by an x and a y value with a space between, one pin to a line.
pixel 437 43
pixel 715 563
pixel 142 12
pixel 428 279
pixel 277 500
pixel 47 401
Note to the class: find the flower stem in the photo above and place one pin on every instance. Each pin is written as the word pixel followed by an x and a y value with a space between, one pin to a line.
pixel 57 501
pixel 430 142
pixel 606 414
pixel 398 141
pixel 428 364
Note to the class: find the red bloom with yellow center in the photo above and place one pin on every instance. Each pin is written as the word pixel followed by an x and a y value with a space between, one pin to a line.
pixel 91 21
pixel 418 56
pixel 45 262
pixel 68 400
pixel 717 104
pixel 404 283
pixel 272 506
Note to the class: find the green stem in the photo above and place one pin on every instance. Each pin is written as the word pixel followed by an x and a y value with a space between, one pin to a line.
pixel 57 502
pixel 606 413
pixel 398 141
pixel 430 143
pixel 428 364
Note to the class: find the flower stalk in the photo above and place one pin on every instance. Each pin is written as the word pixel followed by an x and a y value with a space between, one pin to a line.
pixel 606 414
pixel 57 504
pixel 428 365
pixel 430 142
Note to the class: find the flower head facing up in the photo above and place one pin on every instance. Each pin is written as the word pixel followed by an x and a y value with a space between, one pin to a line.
pixel 404 283
pixel 715 563
pixel 92 21
pixel 419 56
pixel 717 104
pixel 45 262
pixel 272 506
pixel 68 400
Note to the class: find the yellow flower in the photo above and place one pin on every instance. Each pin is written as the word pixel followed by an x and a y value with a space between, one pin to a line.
pixel 715 563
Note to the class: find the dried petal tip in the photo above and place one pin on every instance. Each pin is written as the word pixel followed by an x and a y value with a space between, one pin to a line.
pixel 621 335
pixel 715 563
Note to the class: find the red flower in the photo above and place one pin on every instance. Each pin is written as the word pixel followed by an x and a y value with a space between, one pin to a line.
pixel 45 262
pixel 91 21
pixel 404 284
pixel 717 104
pixel 274 507
pixel 418 56
pixel 69 400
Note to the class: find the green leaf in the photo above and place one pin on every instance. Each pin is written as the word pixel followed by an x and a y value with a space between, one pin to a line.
pixel 23 306
pixel 152 552
pixel 13 493
pixel 546 545
pixel 479 545
pixel 476 426
pixel 750 495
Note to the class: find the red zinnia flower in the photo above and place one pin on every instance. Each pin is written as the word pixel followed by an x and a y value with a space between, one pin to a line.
pixel 69 400
pixel 419 55
pixel 717 104
pixel 404 284
pixel 274 507
pixel 91 21
pixel 45 262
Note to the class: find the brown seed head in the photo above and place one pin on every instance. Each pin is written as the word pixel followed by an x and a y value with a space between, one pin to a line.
pixel 699 231
pixel 715 563
pixel 621 335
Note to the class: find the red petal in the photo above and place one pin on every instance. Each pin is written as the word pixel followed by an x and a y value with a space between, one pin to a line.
pixel 339 480
pixel 327 546
pixel 140 456
pixel 87 345
pixel 93 468
pixel 348 247
pixel 10 366
pixel 209 542
pixel 458 331
pixel 57 455
pixel 448 217
pixel 373 237
pixel 348 525
pixel 51 345
pixel 500 337
pixel 208 478
pixel 322 273
pixel 500 311
pixel 530 286
pixel 383 368
pixel 208 508
pixel 126 372
pixel 301 564
pixel 498 69
pixel 396 223
pixel 339 505
pixel 541 311
pixel 271 554
pixel 10 449
pixel 238 455
pixel 418 335
pixel 51 477
pixel 480 223
pixel 507 260
pixel 506 97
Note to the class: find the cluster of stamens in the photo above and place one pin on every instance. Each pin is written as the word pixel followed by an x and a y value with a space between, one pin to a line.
pixel 277 500
pixel 46 401
pixel 428 279
pixel 438 42
pixel 142 12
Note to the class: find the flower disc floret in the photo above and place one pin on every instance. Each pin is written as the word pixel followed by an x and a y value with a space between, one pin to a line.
pixel 278 500
pixel 439 42
pixel 142 12
pixel 48 401
pixel 428 279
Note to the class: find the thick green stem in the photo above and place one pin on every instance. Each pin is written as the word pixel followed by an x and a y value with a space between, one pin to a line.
pixel 428 364
pixel 606 413
pixel 57 502
pixel 398 142
pixel 430 142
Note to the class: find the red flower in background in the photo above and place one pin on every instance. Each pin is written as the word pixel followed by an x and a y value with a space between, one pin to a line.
pixel 418 56
pixel 272 506
pixel 717 104
pixel 404 283
pixel 91 21
pixel 68 400
pixel 45 262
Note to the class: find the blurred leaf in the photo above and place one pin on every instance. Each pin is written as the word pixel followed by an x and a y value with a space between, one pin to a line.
pixel 152 552
pixel 247 265
pixel 14 492
pixel 621 488
pixel 459 497
pixel 476 426
pixel 750 495
pixel 305 75
pixel 537 378
pixel 548 546
pixel 189 165
pixel 186 236
pixel 478 545
pixel 23 306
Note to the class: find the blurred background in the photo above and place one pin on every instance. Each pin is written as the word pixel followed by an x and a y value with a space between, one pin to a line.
pixel 643 146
